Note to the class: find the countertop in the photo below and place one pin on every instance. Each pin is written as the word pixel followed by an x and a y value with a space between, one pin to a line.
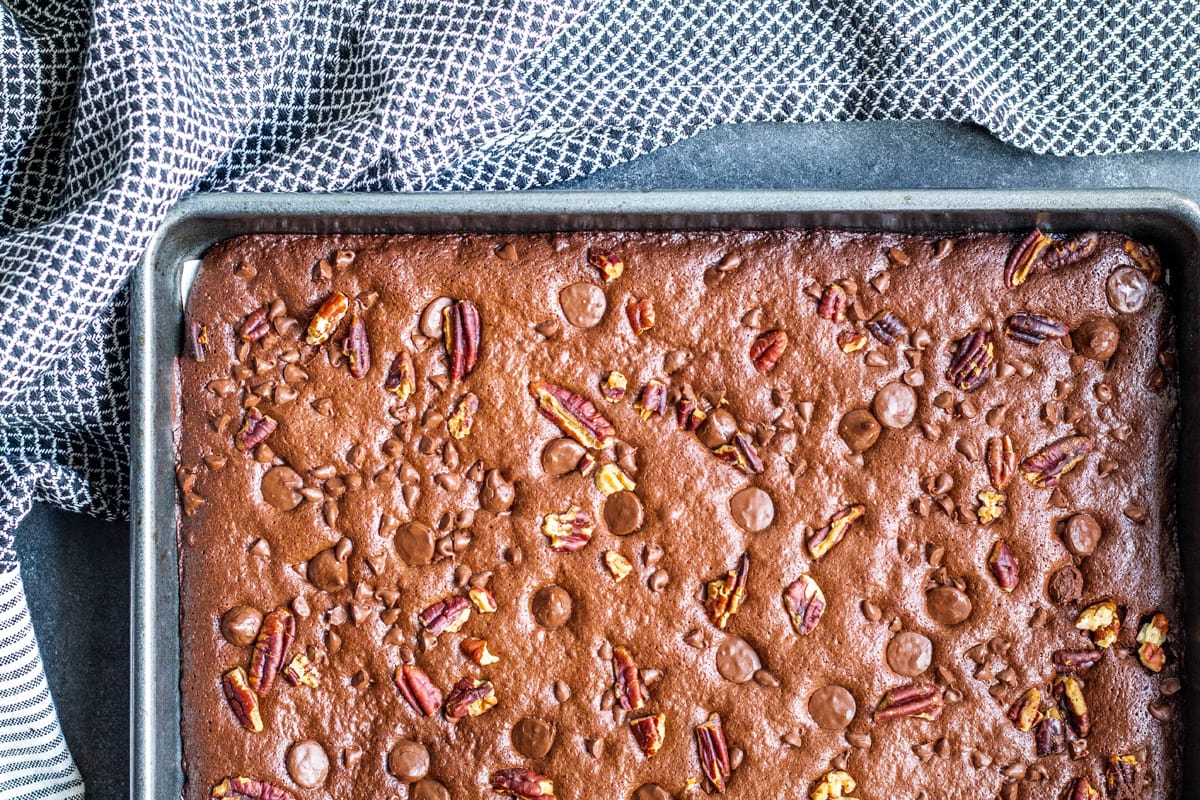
pixel 76 569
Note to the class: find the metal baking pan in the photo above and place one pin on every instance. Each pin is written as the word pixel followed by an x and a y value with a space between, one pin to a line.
pixel 1168 220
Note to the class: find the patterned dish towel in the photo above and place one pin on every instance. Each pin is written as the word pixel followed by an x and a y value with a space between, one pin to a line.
pixel 111 110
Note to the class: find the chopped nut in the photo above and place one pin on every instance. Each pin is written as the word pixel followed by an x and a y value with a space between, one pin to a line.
pixel 1069 694
pixel 1027 711
pixel 197 341
pixel 627 685
pixel 256 427
pixel 609 263
pixel 920 700
pixel 1123 777
pixel 401 377
pixel 482 599
pixel 832 305
pixel 834 785
pixel 1004 566
pixel 851 341
pixel 417 689
pixel 242 699
pixel 767 349
pixel 302 671
pixel 971 363
pixel 1067 662
pixel 463 417
pixel 649 732
pixel 741 454
pixel 887 327
pixel 327 318
pixel 614 387
pixel 640 314
pixel 723 596
pixel 1001 461
pixel 569 531
pixel 576 416
pixel 688 415
pixel 1102 620
pixel 256 325
pixel 618 565
pixel 805 603
pixel 447 615
pixel 714 752
pixel 1151 638
pixel 1046 467
pixel 477 650
pixel 611 479
pixel 523 783
pixel 652 400
pixel 1065 252
pixel 1081 789
pixel 470 697
pixel 1023 257
pixel 357 348
pixel 1033 329
pixel 1051 735
pixel 1145 258
pixel 823 540
pixel 242 788
pixel 991 506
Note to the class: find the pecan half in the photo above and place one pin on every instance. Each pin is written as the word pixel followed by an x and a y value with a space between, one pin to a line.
pixel 577 417
pixel 256 427
pixel 1081 789
pixel 714 752
pixel 462 419
pixel 470 697
pixel 242 699
pixel 401 376
pixel 920 700
pixel 357 348
pixel 242 788
pixel 652 399
pixel 627 686
pixel 1051 735
pixel 824 540
pixel 614 386
pixel 1027 710
pixel 416 687
pixel 327 318
pixel 447 615
pixel 1067 662
pixel 462 331
pixel 1069 695
pixel 1004 566
pixel 477 650
pixel 971 362
pixel 609 263
pixel 523 783
pixel 256 325
pixel 1065 252
pixel 767 348
pixel 805 603
pixel 887 327
pixel 640 314
pixel 569 531
pixel 270 648
pixel 1102 620
pixel 741 453
pixel 1151 638
pixel 851 340
pixel 302 671
pixel 1033 329
pixel 649 732
pixel 1023 257
pixel 832 305
pixel 197 341
pixel 1046 467
pixel 1123 777
pixel 723 596
pixel 1145 258
pixel 1001 460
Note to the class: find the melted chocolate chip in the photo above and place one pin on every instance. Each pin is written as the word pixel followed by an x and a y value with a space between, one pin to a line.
pixel 428 789
pixel 650 791
pixel 1127 290
pixel 532 737
pixel 308 764
pixel 859 429
pixel 432 318
pixel 1096 339
pixel 832 707
pixel 408 760
pixel 583 304
pixel 895 405
pixel 497 492
pixel 752 509
pixel 281 488
pixel 240 624
pixel 623 513
pixel 327 572
pixel 1066 585
pixel 414 543
pixel 717 428
pixel 562 456
pixel 909 653
pixel 737 661
pixel 948 605
pixel 551 606
pixel 1081 534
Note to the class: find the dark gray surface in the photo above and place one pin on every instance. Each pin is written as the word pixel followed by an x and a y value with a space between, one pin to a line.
pixel 76 569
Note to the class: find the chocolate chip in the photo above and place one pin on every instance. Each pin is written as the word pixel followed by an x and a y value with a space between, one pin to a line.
pixel 562 456
pixel 551 606
pixel 752 509
pixel 1066 585
pixel 909 653
pixel 623 513
pixel 562 692
pixel 497 492
pixel 948 605
pixel 326 571
pixel 766 679
pixel 859 429
pixel 871 611
pixel 650 791
pixel 583 304
pixel 1081 534
pixel 737 661
pixel 658 580
pixel 240 624
pixel 1127 289
pixel 308 764
pixel 717 429
pixel 895 405
pixel 793 739
pixel 428 789
pixel 832 707
pixel 1096 339
pixel 408 760
pixel 432 317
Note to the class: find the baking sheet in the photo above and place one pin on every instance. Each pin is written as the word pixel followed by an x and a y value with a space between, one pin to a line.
pixel 1168 220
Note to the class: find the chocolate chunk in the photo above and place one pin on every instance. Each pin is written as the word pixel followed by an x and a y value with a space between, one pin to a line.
pixel 1127 290
pixel 1081 534
pixel 408 761
pixel 327 572
pixel 737 661
pixel 583 304
pixel 240 624
pixel 532 737
pixel 497 492
pixel 428 789
pixel 414 543
pixel 280 488
pixel 432 318
pixel 948 605
pixel 909 653
pixel 832 707
pixel 623 513
pixel 859 429
pixel 895 405
pixel 562 456
pixel 308 764
pixel 752 509
pixel 717 429
pixel 1066 585
pixel 650 791
pixel 551 606
pixel 1096 339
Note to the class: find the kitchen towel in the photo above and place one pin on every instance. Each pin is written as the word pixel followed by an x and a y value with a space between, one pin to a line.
pixel 111 110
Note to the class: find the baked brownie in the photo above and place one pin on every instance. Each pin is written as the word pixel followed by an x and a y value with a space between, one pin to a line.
pixel 612 515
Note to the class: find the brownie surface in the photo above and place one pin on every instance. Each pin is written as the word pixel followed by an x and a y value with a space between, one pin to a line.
pixel 829 556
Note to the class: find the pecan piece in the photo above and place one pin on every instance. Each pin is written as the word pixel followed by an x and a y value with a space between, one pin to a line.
pixel 723 596
pixel 357 348
pixel 462 419
pixel 1023 257
pixel 270 648
pixel 477 650
pixel 609 263
pixel 401 376
pixel 767 348
pixel 242 699
pixel 614 386
pixel 688 415
pixel 302 671
pixel 618 565
pixel 256 427
pixel 482 598
pixel 197 341
pixel 523 783
pixel 1051 735
pixel 1065 252
pixel 569 531
pixel 714 752
pixel 832 305
pixel 327 318
pixel 1046 467
pixel 1069 695
pixel 577 417
pixel 1033 329
pixel 1001 460
pixel 627 686
pixel 652 400
pixel 611 479
pixel 834 785
pixel 991 506
pixel 887 327
pixel 824 540
pixel 1123 777
pixel 1102 620
pixel 256 325
pixel 462 331
pixel 1067 662
pixel 470 697
pixel 1145 258
pixel 805 603
pixel 741 453
pixel 1027 710
pixel 649 732
pixel 640 314
pixel 1081 789
pixel 416 687
pixel 447 615
pixel 971 363
pixel 1004 565
pixel 920 700
pixel 242 788
pixel 851 341
pixel 1151 638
